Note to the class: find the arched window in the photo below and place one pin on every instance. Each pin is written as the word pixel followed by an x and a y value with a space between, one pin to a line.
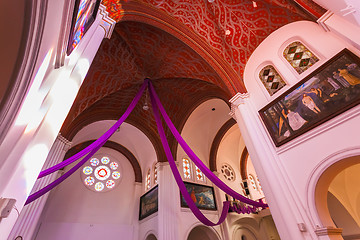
pixel 186 168
pixel 199 174
pixel 271 79
pixel 252 182
pixel 147 180
pixel 299 57
pixel 192 172
pixel 155 175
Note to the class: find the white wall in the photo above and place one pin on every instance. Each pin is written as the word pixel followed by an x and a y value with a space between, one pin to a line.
pixel 295 161
pixel 75 212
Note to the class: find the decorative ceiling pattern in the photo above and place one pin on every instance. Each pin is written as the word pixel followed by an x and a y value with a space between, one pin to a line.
pixel 182 77
pixel 233 28
pixel 134 52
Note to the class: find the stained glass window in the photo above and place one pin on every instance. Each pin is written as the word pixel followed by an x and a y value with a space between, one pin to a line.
pixel 271 79
pixel 186 168
pixel 147 180
pixel 199 174
pixel 258 184
pixel 100 175
pixel 299 57
pixel 252 182
pixel 228 172
pixel 155 174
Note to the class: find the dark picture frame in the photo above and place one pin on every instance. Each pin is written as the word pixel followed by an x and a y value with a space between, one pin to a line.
pixel 202 195
pixel 149 203
pixel 325 93
pixel 83 17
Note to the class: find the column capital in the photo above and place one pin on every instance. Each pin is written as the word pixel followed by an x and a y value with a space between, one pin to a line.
pixel 324 231
pixel 63 140
pixel 235 101
pixel 107 23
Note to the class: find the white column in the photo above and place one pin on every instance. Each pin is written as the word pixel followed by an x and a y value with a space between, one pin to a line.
pixel 220 198
pixel 24 152
pixel 286 209
pixel 30 214
pixel 137 194
pixel 167 217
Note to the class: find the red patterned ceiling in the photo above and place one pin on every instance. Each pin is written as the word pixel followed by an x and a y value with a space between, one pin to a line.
pixel 230 29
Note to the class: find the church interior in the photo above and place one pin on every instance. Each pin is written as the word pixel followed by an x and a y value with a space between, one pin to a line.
pixel 265 93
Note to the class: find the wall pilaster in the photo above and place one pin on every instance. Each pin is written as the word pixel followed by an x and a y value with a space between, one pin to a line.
pixel 30 214
pixel 278 191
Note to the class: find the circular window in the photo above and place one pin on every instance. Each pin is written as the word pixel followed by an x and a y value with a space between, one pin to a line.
pixel 228 172
pixel 101 174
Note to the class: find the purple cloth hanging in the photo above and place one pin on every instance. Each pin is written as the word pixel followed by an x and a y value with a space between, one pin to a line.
pixel 210 175
pixel 99 141
pixel 177 176
pixel 91 150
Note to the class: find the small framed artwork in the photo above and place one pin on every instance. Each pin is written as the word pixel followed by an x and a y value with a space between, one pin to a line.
pixel 149 203
pixel 83 17
pixel 203 196
pixel 327 92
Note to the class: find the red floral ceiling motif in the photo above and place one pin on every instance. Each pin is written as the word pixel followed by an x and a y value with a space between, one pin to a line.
pixel 136 51
pixel 233 28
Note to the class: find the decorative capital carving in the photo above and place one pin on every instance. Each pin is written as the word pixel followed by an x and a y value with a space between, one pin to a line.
pixel 63 140
pixel 235 101
pixel 107 23
pixel 239 98
pixel 324 231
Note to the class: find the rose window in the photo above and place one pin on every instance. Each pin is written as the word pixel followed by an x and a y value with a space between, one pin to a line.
pixel 101 174
pixel 228 172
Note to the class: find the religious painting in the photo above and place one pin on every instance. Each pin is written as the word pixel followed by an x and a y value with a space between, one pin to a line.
pixel 149 203
pixel 203 196
pixel 330 90
pixel 84 15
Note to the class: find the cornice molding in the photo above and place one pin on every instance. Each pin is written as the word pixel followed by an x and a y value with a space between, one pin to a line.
pixel 107 23
pixel 236 100
pixel 325 231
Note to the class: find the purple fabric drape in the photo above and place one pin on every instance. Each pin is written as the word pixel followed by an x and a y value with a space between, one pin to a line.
pixel 91 150
pixel 101 140
pixel 210 175
pixel 177 176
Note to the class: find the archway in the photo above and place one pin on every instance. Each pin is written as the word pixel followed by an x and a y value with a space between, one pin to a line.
pixel 202 232
pixel 343 201
pixel 244 234
pixel 151 237
pixel 337 197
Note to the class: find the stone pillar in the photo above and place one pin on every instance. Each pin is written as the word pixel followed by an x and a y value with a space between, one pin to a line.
pixel 220 198
pixel 168 203
pixel 30 214
pixel 279 193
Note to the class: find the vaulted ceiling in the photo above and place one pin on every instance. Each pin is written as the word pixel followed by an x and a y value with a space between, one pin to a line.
pixel 193 50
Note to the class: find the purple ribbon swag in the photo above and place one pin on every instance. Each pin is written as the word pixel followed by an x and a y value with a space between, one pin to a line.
pixel 157 107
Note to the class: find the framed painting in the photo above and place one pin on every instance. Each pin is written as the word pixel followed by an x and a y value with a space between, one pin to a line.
pixel 202 195
pixel 330 90
pixel 149 203
pixel 83 17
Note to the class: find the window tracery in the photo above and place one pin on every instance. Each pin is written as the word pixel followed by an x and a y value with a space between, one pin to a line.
pixel 101 175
